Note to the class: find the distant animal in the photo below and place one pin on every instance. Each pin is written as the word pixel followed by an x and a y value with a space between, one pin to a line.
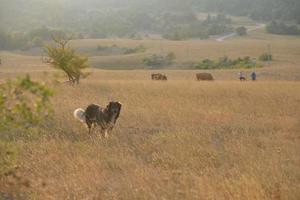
pixel 159 77
pixel 95 115
pixel 204 77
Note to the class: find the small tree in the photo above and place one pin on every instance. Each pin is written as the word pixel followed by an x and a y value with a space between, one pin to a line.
pixel 62 57
pixel 154 60
pixel 241 31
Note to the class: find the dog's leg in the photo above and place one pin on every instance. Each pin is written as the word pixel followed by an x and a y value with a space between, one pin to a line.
pixel 105 132
pixel 89 127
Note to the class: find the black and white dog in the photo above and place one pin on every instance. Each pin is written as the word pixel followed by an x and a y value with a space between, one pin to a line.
pixel 95 115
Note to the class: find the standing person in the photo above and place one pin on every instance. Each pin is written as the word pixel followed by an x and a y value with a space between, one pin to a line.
pixel 253 76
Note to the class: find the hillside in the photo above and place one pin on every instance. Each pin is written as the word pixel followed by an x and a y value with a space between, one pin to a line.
pixel 285 50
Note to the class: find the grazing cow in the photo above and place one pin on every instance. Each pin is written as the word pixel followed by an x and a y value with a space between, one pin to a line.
pixel 204 77
pixel 155 76
pixel 159 77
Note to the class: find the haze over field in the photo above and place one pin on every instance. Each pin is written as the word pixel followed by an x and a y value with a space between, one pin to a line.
pixel 137 14
pixel 209 93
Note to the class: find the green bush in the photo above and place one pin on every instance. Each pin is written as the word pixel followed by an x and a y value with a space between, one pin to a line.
pixel 241 31
pixel 226 63
pixel 156 60
pixel 23 103
pixel 266 57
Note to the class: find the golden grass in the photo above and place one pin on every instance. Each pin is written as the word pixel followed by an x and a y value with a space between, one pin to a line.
pixel 179 139
pixel 175 140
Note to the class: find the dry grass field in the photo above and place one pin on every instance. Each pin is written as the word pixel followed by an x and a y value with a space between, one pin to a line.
pixel 174 140
pixel 179 139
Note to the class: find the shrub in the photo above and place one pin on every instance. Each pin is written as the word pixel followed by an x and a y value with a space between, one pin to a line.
pixel 154 60
pixel 159 60
pixel 23 103
pixel 241 31
pixel 266 57
pixel 226 63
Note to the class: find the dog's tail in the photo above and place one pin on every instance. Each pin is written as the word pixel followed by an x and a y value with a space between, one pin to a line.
pixel 80 115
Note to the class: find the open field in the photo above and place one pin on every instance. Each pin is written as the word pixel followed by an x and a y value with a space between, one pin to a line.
pixel 175 140
pixel 179 139
pixel 219 121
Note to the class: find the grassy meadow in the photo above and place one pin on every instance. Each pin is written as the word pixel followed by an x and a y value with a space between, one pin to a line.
pixel 174 140
pixel 179 139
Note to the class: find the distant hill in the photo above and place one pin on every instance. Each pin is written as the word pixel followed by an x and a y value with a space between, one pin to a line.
pixel 116 15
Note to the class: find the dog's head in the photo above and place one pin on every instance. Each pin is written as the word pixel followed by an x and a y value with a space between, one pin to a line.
pixel 114 109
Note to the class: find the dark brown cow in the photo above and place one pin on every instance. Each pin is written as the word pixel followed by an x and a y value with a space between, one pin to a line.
pixel 204 77
pixel 159 77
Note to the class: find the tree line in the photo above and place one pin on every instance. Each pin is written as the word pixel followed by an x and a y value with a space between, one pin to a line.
pixel 100 19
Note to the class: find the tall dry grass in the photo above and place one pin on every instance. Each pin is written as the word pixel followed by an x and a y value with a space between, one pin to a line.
pixel 174 140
